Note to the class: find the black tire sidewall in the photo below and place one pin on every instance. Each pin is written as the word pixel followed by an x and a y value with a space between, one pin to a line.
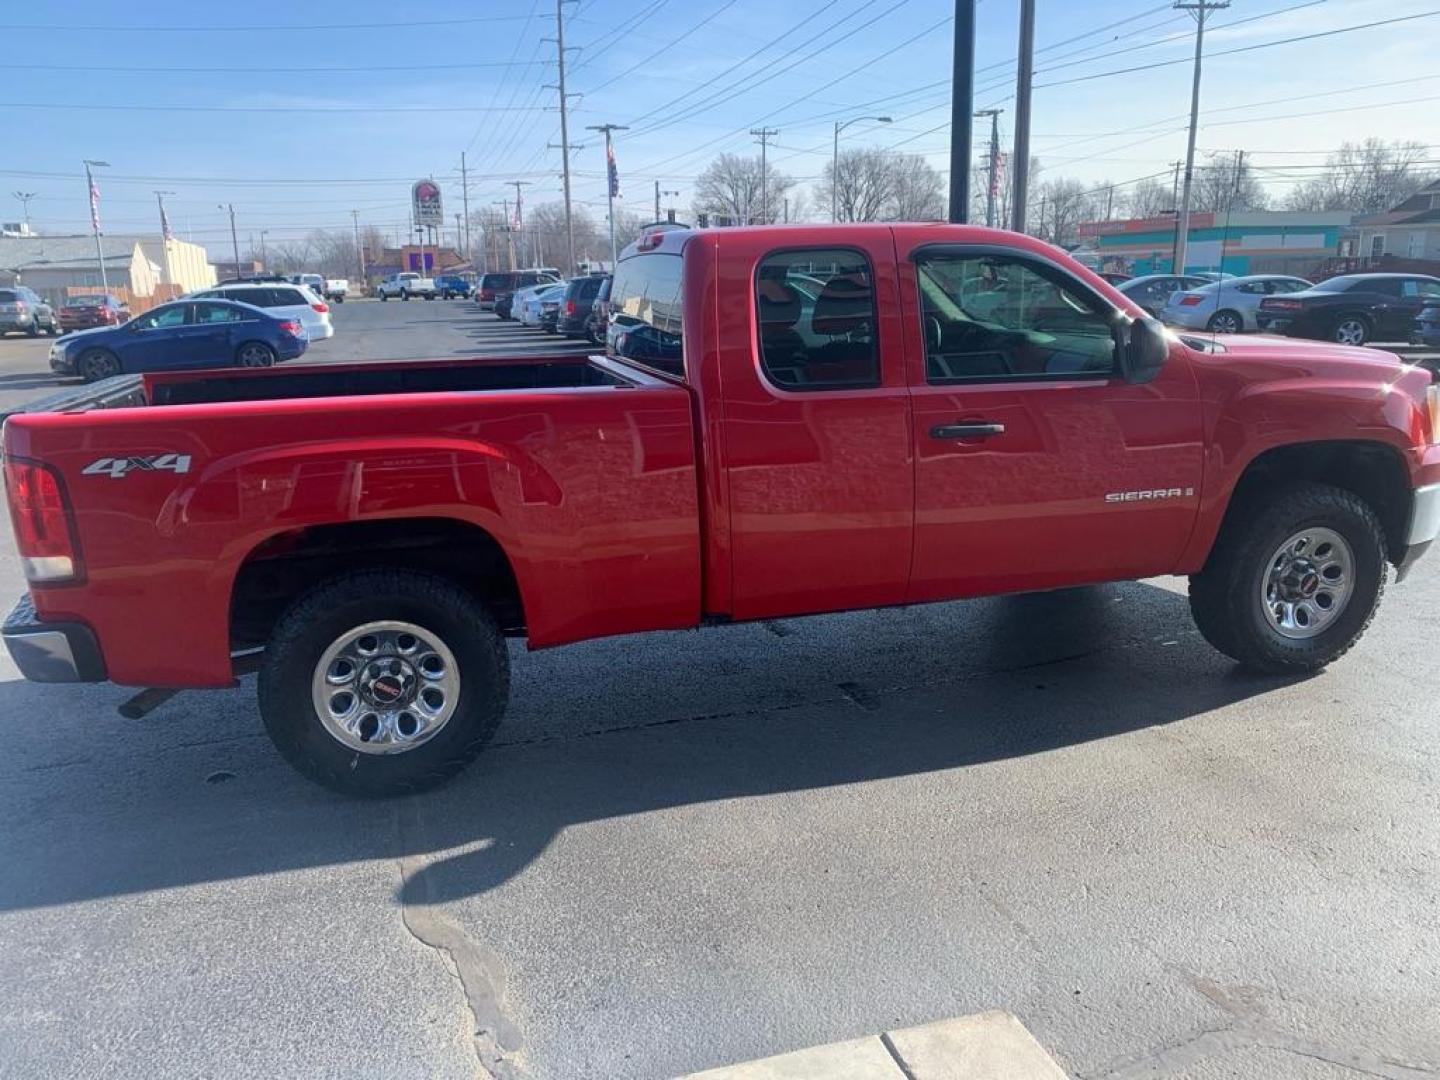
pixel 114 366
pixel 269 354
pixel 1251 630
pixel 317 619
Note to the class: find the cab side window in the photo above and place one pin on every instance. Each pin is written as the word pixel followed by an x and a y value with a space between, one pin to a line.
pixel 994 317
pixel 818 328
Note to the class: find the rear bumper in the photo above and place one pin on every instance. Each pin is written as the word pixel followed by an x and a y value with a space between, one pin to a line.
pixel 319 331
pixel 52 652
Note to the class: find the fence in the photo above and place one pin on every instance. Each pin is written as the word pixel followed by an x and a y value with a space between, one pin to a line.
pixel 137 304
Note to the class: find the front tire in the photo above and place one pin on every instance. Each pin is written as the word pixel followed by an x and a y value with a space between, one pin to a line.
pixel 1294 579
pixel 255 354
pixel 384 682
pixel 384 295
pixel 96 364
pixel 405 295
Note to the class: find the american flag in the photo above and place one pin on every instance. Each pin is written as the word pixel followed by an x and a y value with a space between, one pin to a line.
pixel 94 205
pixel 614 172
pixel 165 230
pixel 519 210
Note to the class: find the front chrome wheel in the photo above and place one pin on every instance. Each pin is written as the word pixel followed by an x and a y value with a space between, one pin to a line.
pixel 385 687
pixel 1310 580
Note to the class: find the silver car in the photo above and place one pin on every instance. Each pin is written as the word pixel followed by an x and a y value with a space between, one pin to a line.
pixel 1228 306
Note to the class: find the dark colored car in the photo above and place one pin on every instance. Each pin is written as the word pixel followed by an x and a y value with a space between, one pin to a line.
pixel 1427 325
pixel 182 334
pixel 575 305
pixel 550 313
pixel 1351 309
pixel 1151 291
pixel 92 310
pixel 599 316
pixel 451 285
pixel 503 294
pixel 22 309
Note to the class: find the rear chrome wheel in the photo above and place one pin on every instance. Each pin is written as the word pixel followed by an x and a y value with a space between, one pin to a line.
pixel 1351 330
pixel 1225 322
pixel 385 687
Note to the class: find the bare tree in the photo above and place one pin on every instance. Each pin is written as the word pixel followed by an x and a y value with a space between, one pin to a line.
pixel 881 185
pixel 1060 205
pixel 1364 178
pixel 917 190
pixel 1149 198
pixel 1226 184
pixel 730 187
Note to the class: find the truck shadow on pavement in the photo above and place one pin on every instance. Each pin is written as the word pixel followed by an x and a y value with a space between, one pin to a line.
pixel 94 806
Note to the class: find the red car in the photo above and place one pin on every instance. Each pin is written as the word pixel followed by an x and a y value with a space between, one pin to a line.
pixel 798 419
pixel 92 310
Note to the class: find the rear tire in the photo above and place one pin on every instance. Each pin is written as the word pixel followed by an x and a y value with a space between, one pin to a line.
pixel 1226 322
pixel 255 354
pixel 1242 602
pixel 1351 330
pixel 96 364
pixel 303 674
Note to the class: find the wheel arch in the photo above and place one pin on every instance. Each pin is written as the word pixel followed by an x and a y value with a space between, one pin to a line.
pixel 1373 471
pixel 285 565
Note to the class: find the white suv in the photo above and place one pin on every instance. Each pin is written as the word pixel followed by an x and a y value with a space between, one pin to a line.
pixel 280 299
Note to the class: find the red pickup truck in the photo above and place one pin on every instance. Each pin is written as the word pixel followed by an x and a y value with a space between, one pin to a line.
pixel 789 420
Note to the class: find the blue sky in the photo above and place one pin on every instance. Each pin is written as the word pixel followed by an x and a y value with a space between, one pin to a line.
pixel 288 171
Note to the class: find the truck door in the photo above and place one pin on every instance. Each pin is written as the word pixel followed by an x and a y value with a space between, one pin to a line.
pixel 816 422
pixel 1037 465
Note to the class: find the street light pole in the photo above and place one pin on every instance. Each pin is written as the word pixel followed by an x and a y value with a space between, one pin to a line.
pixel 94 194
pixel 25 197
pixel 962 107
pixel 841 125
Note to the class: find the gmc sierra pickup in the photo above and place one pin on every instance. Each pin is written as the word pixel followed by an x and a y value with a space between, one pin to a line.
pixel 789 420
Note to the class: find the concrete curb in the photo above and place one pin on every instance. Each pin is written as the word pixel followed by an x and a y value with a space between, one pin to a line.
pixel 987 1046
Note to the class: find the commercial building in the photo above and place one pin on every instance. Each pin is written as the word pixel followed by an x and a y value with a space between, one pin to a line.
pixel 1257 242
pixel 137 268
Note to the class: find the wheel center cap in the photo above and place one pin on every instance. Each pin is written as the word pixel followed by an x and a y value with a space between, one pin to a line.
pixel 388 683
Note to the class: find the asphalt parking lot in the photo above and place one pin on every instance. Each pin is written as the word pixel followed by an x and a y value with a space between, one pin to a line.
pixel 688 849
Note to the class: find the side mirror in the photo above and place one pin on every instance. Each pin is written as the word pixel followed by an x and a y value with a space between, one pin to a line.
pixel 1145 351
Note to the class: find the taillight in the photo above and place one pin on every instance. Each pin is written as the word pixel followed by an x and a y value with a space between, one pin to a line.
pixel 1190 300
pixel 290 326
pixel 20 307
pixel 1282 305
pixel 322 308
pixel 41 519
pixel 1432 408
pixel 570 306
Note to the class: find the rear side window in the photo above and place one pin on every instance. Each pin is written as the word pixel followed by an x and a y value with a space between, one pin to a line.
pixel 817 322
pixel 286 298
pixel 645 311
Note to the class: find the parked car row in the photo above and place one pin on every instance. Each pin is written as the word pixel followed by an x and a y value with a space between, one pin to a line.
pixel 577 308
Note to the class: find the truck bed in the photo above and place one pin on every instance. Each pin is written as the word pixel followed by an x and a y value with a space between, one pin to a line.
pixel 582 471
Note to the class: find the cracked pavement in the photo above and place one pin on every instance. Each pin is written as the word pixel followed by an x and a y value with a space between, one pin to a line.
pixel 690 849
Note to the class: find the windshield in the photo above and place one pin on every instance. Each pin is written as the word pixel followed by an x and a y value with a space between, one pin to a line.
pixel 86 301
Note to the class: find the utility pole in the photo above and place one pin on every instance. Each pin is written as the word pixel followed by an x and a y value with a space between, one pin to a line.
pixel 657 200
pixel 564 128
pixel 264 255
pixel 764 134
pixel 234 238
pixel 360 251
pixel 94 194
pixel 994 115
pixel 465 202
pixel 1175 214
pixel 962 107
pixel 509 232
pixel 612 180
pixel 25 197
pixel 1200 9
pixel 520 211
pixel 1109 201
pixel 1020 166
pixel 165 235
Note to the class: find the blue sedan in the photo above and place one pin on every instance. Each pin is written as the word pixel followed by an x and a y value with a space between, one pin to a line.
pixel 182 334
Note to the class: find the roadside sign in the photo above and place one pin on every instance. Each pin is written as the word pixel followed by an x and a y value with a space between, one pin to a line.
pixel 425 198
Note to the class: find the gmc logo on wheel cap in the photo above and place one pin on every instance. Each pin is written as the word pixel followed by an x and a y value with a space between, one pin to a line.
pixel 118 467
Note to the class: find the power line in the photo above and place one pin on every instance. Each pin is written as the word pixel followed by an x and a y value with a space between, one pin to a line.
pixel 1243 49
pixel 666 47
pixel 259 27
pixel 85 107
pixel 250 69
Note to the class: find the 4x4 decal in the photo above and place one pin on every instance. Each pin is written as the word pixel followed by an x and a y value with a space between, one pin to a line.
pixel 117 467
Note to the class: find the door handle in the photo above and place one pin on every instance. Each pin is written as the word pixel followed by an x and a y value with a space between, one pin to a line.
pixel 981 429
